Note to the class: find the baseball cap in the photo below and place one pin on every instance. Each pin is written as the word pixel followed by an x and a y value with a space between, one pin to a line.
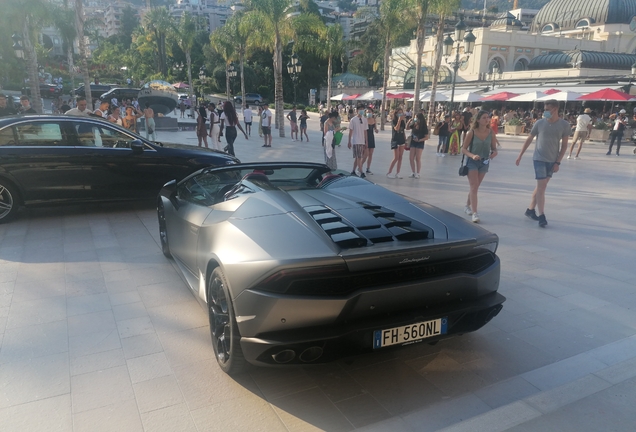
pixel 622 111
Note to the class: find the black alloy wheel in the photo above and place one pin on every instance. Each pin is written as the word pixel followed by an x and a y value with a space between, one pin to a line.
pixel 163 232
pixel 223 327
pixel 9 202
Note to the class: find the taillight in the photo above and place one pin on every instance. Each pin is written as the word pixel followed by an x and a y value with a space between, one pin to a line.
pixel 280 281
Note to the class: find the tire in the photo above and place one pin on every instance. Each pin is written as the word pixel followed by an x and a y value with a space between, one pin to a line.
pixel 223 328
pixel 9 201
pixel 163 232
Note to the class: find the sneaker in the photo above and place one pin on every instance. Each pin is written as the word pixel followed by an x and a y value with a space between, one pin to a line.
pixel 369 172
pixel 438 154
pixel 468 211
pixel 475 217
pixel 608 153
pixel 576 158
pixel 542 221
pixel 617 154
pixel 353 173
pixel 569 157
pixel 442 155
pixel 417 176
pixel 397 175
pixel 412 175
pixel 389 175
pixel 532 214
pixel 362 175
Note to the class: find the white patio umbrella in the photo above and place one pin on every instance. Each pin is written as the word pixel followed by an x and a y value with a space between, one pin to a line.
pixel 467 97
pixel 426 96
pixel 370 95
pixel 528 97
pixel 339 97
pixel 563 96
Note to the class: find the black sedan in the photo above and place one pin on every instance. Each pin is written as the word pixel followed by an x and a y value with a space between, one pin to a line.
pixel 63 159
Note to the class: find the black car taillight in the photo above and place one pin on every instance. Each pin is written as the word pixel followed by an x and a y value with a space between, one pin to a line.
pixel 281 281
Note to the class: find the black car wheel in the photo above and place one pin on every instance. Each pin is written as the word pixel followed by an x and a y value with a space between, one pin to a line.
pixel 9 202
pixel 163 232
pixel 223 327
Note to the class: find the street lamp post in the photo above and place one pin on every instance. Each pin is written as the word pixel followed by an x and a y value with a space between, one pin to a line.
pixel 294 67
pixel 231 72
pixel 495 71
pixel 18 49
pixel 202 79
pixel 469 45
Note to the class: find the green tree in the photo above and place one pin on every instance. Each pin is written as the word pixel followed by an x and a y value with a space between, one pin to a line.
pixel 239 31
pixel 419 11
pixel 223 45
pixel 79 28
pixel 330 45
pixel 275 25
pixel 392 18
pixel 129 23
pixel 27 18
pixel 159 23
pixel 442 8
pixel 185 33
pixel 63 20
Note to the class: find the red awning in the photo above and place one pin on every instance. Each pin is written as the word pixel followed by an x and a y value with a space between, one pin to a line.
pixel 606 94
pixel 503 96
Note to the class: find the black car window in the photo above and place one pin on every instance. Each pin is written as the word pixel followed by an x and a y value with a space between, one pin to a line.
pixel 106 137
pixel 39 134
pixel 193 192
pixel 6 137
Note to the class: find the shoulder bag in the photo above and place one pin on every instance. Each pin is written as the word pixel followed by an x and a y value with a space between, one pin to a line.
pixel 463 169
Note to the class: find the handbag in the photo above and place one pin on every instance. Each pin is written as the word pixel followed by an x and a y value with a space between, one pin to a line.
pixel 463 169
pixel 337 136
pixel 407 143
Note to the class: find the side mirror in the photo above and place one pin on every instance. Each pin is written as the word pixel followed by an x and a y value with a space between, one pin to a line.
pixel 137 146
pixel 169 190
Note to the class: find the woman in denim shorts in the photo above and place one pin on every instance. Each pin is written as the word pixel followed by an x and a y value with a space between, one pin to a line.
pixel 479 147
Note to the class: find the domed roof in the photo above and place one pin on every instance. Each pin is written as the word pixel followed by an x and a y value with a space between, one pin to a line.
pixel 582 59
pixel 506 19
pixel 568 14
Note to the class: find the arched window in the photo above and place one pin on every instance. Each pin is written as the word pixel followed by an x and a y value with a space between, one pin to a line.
pixel 521 65
pixel 495 62
pixel 547 28
pixel 583 23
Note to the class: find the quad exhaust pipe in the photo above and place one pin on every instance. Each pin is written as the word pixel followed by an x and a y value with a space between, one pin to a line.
pixel 309 355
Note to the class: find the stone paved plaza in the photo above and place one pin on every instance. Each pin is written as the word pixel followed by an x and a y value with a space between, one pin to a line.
pixel 99 333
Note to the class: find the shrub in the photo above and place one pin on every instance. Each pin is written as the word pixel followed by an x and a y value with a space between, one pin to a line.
pixel 514 122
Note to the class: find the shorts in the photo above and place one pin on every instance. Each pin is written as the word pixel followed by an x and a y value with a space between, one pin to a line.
pixel 543 170
pixel 248 123
pixel 479 165
pixel 294 126
pixel 395 145
pixel 267 130
pixel 417 144
pixel 579 134
pixel 358 151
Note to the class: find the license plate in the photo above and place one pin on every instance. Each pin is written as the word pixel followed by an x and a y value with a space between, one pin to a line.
pixel 409 333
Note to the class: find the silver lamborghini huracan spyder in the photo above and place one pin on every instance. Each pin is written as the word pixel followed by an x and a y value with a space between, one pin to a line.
pixel 296 264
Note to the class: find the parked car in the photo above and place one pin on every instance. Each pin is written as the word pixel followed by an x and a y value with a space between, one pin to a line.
pixel 250 99
pixel 63 159
pixel 121 93
pixel 47 91
pixel 96 90
pixel 298 265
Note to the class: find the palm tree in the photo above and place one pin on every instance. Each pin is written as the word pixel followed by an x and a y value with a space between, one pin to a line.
pixel 28 18
pixel 63 19
pixel 329 45
pixel 275 25
pixel 221 42
pixel 420 13
pixel 392 17
pixel 79 26
pixel 185 33
pixel 443 8
pixel 160 23
pixel 238 29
